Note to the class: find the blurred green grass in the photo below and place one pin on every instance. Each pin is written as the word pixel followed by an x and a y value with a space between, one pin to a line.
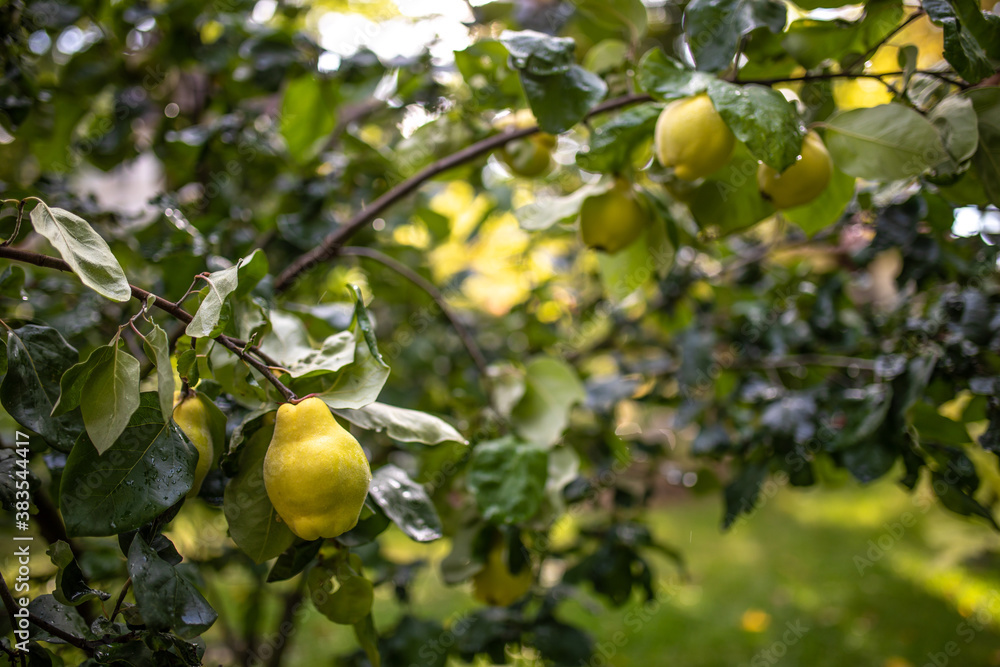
pixel 794 564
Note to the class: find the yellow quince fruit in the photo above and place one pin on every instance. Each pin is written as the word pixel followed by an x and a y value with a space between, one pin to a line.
pixel 614 219
pixel 803 181
pixel 192 417
pixel 692 138
pixel 495 584
pixel 315 472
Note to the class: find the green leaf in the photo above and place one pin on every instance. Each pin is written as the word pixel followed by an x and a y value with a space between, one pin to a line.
pixel 612 143
pixel 538 54
pixel 84 250
pixel 251 270
pixel 714 28
pixel 253 521
pixel 552 388
pixel 350 601
pixel 74 380
pixel 157 348
pixel 632 267
pixel 933 427
pixel 187 365
pixel 12 283
pixel 666 79
pixel 955 119
pixel 110 397
pixel 970 39
pixel 762 119
pixel 729 198
pixel 606 56
pixel 13 475
pixel 562 100
pixel 308 116
pixel 406 503
pixel 37 357
pixel 870 460
pixel 364 631
pixel 148 469
pixel 812 42
pixel 627 16
pixel 335 352
pixel 360 382
pixel 959 501
pixel 507 477
pixel 402 424
pixel 741 494
pixel 884 143
pixel 63 616
pixel 166 600
pixel 71 588
pixel 245 274
pixel 295 559
pixel 986 160
pixel 484 67
pixel 826 209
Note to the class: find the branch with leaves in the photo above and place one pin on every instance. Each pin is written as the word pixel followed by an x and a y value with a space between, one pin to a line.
pixel 234 345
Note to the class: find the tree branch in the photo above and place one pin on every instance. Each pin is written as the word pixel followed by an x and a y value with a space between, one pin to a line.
pixel 71 639
pixel 336 239
pixel 234 345
pixel 882 42
pixel 463 333
pixel 850 75
pixel 293 601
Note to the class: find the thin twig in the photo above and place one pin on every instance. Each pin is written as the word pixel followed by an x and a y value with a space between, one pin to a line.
pixel 427 286
pixel 882 42
pixel 234 345
pixel 121 598
pixel 849 75
pixel 328 248
pixel 17 223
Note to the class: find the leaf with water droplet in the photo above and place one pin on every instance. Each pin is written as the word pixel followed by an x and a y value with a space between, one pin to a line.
pixel 94 496
pixel 406 503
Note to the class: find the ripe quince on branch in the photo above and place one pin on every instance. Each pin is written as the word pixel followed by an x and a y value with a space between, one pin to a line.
pixel 315 472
